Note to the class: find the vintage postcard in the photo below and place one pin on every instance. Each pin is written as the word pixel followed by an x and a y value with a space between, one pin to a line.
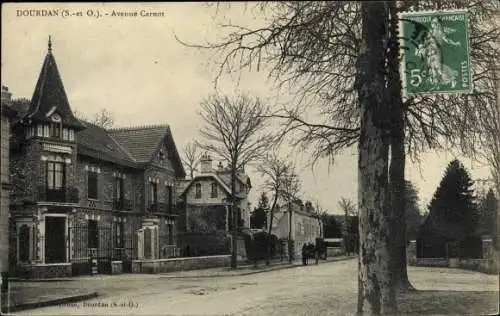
pixel 249 158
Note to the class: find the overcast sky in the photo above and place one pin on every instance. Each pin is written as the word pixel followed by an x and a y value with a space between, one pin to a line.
pixel 134 67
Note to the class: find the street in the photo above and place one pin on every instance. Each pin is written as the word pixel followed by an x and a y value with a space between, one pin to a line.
pixel 325 289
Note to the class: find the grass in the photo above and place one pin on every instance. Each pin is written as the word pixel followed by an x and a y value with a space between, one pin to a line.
pixel 449 303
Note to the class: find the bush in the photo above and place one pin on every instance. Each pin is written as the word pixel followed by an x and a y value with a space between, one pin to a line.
pixel 204 244
pixel 256 245
pixel 470 247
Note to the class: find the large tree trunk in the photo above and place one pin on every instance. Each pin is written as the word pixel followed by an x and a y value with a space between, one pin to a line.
pixel 376 293
pixel 234 242
pixel 397 225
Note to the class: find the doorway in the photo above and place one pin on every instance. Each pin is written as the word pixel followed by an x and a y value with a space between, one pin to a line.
pixel 55 239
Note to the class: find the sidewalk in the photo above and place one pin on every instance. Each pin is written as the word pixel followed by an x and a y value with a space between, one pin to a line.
pixel 28 294
pixel 247 269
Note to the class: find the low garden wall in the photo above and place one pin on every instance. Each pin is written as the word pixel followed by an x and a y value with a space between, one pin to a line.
pixel 334 251
pixel 481 265
pixel 45 270
pixel 432 262
pixel 179 264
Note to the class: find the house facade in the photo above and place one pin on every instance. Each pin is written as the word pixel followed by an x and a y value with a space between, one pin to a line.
pixel 84 197
pixel 207 199
pixel 305 226
pixel 6 115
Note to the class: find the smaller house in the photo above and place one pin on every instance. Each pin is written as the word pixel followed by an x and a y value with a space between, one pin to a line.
pixel 207 199
pixel 305 228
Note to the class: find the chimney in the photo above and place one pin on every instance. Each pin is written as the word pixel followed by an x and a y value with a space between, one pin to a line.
pixel 206 163
pixel 6 95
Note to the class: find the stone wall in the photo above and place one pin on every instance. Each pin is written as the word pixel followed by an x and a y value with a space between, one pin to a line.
pixel 432 262
pixel 179 264
pixel 334 251
pixel 46 271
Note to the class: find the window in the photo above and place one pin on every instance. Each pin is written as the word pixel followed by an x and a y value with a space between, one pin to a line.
pixel 198 190
pixel 55 175
pixel 46 131
pixel 170 234
pixel 119 189
pixel 153 193
pixel 55 130
pixel 214 190
pixel 93 236
pixel 169 199
pixel 161 155
pixel 118 235
pixel 92 185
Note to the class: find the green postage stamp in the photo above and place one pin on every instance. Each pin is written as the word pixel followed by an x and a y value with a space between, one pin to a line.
pixel 436 52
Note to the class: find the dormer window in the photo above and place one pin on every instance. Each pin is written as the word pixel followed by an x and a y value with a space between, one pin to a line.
pixel 56 118
pixel 56 126
pixel 161 155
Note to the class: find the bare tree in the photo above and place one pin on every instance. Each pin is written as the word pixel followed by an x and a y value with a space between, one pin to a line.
pixel 290 194
pixel 102 118
pixel 491 122
pixel 191 157
pixel 278 173
pixel 376 293
pixel 320 214
pixel 232 131
pixel 349 208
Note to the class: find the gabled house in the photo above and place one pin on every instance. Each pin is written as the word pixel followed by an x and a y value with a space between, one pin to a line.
pixel 305 226
pixel 207 199
pixel 83 196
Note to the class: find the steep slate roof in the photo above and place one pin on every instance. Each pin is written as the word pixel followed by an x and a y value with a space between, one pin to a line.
pixel 49 94
pixel 95 142
pixel 141 142
pixel 7 111
pixel 19 107
pixel 242 177
pixel 204 176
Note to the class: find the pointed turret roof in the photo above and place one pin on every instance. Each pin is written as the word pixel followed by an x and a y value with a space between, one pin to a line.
pixel 49 96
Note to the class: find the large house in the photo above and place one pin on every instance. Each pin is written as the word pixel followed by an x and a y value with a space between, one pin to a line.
pixel 6 115
pixel 84 197
pixel 305 226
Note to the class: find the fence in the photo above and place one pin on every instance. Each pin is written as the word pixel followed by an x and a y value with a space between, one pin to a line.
pixel 94 246
pixel 470 248
pixel 90 247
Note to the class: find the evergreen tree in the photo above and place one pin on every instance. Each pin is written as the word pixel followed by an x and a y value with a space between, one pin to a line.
pixel 412 210
pixel 452 210
pixel 258 218
pixel 333 229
